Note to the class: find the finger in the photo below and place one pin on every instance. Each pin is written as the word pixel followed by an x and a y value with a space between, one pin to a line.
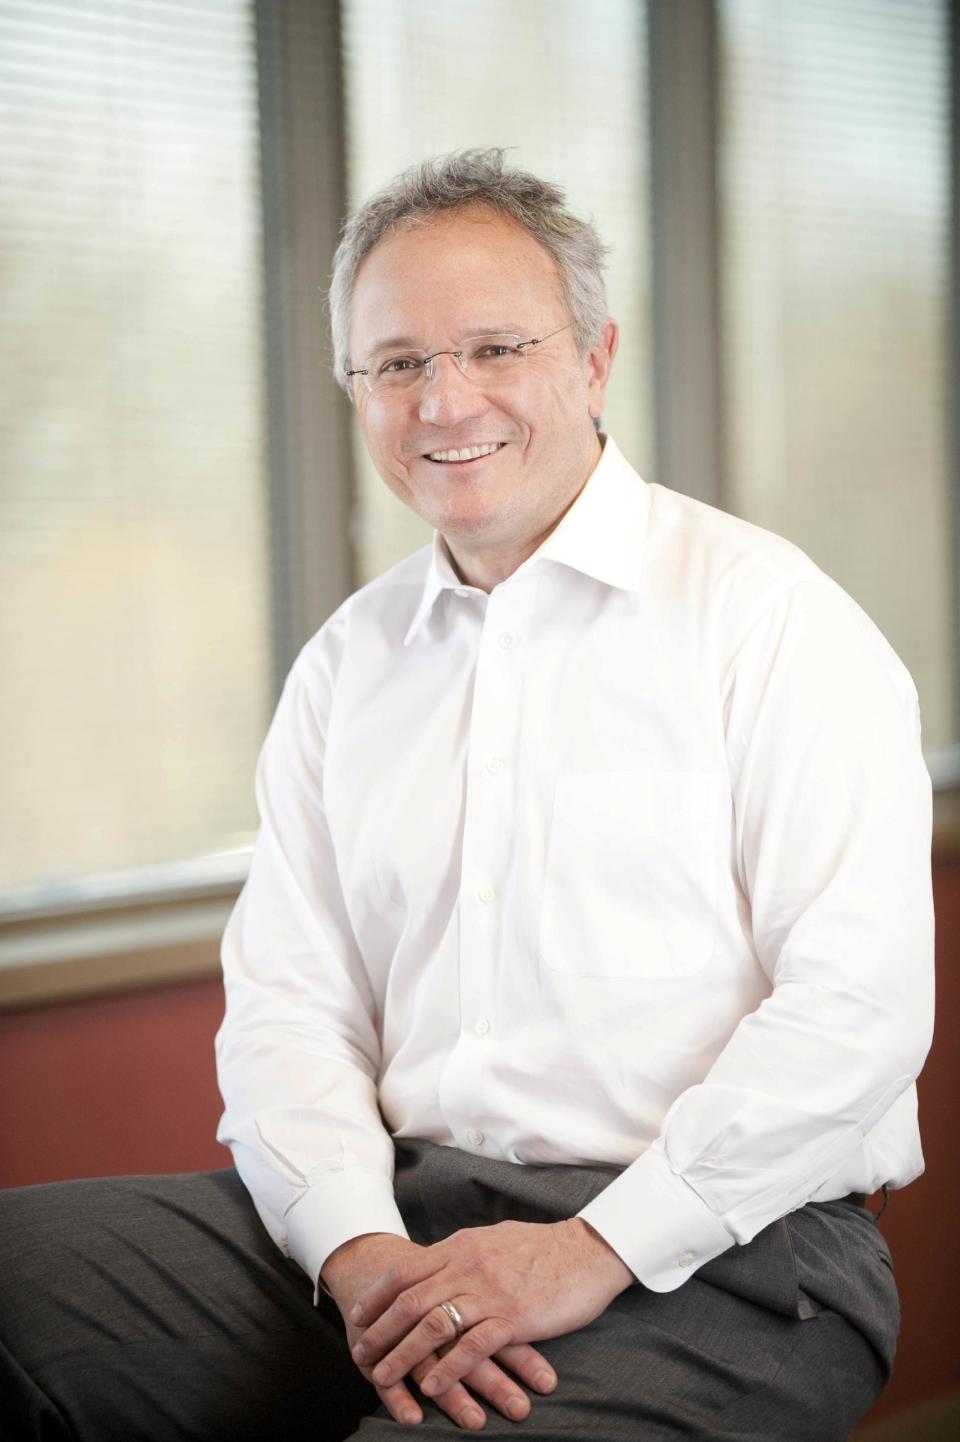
pixel 416 1343
pixel 457 1403
pixel 415 1305
pixel 492 1384
pixel 400 1403
pixel 491 1335
pixel 529 1365
pixel 404 1272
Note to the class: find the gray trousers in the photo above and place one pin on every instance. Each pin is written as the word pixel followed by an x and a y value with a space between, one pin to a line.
pixel 158 1308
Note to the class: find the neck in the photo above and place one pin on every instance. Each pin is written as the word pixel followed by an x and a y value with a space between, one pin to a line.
pixel 486 570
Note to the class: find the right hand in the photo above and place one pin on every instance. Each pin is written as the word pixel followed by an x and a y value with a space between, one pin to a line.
pixel 354 1267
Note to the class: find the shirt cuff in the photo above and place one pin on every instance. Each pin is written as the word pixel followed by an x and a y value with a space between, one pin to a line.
pixel 657 1223
pixel 337 1207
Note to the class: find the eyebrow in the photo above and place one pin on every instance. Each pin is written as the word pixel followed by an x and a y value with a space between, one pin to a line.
pixel 402 341
pixel 405 341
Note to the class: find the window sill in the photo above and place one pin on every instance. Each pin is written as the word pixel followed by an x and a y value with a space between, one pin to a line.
pixel 117 934
pixel 41 983
pixel 946 826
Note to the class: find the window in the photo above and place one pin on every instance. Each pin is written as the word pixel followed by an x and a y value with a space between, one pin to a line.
pixel 134 626
pixel 835 287
pixel 176 467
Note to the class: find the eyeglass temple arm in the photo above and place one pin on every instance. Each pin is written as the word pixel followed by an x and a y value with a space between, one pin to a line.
pixel 538 340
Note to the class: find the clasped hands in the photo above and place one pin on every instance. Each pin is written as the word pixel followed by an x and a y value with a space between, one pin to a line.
pixel 512 1283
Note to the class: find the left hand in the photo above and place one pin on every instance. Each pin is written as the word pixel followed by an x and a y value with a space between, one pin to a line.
pixel 512 1282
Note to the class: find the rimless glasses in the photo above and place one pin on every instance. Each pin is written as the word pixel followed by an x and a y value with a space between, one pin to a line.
pixel 483 359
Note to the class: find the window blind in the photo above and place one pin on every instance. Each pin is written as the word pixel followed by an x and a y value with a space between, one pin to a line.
pixel 134 627
pixel 835 205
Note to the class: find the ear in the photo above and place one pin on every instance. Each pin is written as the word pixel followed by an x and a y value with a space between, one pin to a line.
pixel 599 361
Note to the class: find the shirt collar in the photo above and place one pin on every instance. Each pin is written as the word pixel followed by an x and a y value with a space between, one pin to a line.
pixel 602 535
pixel 604 531
pixel 440 577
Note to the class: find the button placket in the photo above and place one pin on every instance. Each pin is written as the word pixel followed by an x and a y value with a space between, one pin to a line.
pixel 495 702
pixel 487 828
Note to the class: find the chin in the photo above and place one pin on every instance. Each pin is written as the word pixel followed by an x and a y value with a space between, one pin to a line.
pixel 468 526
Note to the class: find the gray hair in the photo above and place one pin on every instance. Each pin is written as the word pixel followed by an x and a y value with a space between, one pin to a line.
pixel 474 177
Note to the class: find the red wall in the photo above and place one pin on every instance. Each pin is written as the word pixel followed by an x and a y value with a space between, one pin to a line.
pixel 114 1084
pixel 126 1084
pixel 920 1221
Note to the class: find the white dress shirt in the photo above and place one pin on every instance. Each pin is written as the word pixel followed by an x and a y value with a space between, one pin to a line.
pixel 626 862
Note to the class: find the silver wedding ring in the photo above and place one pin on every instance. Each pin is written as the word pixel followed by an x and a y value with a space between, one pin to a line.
pixel 454 1316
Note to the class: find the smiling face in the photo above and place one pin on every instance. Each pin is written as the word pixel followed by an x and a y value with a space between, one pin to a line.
pixel 531 438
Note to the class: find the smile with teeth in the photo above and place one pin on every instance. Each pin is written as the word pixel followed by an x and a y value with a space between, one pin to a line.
pixel 469 453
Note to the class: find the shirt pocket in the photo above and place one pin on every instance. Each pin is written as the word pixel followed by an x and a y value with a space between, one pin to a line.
pixel 631 875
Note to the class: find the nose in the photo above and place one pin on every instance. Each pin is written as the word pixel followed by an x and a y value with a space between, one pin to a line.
pixel 448 396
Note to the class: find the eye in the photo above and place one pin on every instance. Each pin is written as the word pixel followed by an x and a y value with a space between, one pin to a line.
pixel 397 364
pixel 496 350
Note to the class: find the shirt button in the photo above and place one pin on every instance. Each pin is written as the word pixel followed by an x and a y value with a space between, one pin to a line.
pixel 481 1026
pixel 486 894
pixel 474 1137
pixel 506 640
pixel 461 591
pixel 494 764
pixel 686 1259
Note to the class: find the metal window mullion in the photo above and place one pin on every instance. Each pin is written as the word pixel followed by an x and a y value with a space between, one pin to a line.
pixel 683 94
pixel 953 362
pixel 308 452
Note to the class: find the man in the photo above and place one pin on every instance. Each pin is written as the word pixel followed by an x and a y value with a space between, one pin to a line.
pixel 576 995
